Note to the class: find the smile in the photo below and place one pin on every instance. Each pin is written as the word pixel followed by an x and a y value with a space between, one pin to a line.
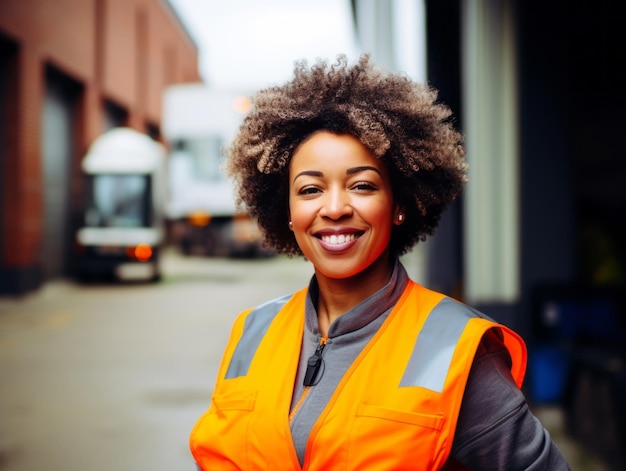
pixel 338 239
pixel 338 242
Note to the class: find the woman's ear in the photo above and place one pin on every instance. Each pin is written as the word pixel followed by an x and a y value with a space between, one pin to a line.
pixel 399 216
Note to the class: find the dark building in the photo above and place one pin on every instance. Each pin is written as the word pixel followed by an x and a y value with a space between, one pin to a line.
pixel 537 239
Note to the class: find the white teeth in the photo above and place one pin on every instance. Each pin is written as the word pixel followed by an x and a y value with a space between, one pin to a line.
pixel 338 239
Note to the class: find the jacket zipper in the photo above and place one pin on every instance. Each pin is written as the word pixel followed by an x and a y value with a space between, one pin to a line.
pixel 312 369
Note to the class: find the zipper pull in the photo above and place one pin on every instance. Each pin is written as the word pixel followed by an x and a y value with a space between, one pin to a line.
pixel 314 363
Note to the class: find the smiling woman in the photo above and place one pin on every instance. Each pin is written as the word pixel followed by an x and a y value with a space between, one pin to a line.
pixel 341 210
pixel 351 166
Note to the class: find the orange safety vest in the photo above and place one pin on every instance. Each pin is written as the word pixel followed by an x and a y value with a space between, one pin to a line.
pixel 396 408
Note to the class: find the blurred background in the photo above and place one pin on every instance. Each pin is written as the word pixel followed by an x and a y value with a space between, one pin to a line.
pixel 120 242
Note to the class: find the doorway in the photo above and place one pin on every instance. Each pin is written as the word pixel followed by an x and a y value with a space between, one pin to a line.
pixel 60 108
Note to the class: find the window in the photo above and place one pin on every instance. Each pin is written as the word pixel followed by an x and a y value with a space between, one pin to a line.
pixel 118 200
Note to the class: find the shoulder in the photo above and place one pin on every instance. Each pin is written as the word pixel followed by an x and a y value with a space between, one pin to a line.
pixel 451 307
pixel 266 311
pixel 445 314
pixel 443 305
pixel 459 324
pixel 273 305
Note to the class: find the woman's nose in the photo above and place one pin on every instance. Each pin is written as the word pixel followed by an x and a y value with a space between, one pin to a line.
pixel 336 204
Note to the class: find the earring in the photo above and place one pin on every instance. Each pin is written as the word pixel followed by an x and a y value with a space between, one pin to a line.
pixel 291 225
pixel 400 217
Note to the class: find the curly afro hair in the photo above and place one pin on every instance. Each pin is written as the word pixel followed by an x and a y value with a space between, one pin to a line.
pixel 398 120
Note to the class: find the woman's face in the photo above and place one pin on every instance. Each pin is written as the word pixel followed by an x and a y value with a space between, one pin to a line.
pixel 341 205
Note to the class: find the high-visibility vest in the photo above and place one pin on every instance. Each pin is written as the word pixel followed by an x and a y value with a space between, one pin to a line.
pixel 396 408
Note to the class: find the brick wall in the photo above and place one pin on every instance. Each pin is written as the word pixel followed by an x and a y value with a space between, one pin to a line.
pixel 121 51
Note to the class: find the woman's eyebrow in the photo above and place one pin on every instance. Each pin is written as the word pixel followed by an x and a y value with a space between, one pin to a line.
pixel 353 170
pixel 350 171
pixel 311 173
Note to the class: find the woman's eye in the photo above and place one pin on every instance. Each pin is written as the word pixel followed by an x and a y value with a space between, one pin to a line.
pixel 364 186
pixel 309 190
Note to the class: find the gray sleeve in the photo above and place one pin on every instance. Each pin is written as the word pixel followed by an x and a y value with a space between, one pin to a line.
pixel 496 429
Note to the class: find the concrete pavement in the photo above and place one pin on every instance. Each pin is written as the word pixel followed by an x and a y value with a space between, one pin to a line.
pixel 113 377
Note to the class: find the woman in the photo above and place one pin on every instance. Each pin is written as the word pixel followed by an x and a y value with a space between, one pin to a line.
pixel 350 167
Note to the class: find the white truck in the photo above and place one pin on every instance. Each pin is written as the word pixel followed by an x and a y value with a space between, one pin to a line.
pixel 123 228
pixel 197 122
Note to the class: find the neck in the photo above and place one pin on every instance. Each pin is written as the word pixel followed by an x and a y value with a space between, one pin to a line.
pixel 337 296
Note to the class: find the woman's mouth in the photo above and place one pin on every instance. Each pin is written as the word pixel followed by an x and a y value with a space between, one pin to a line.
pixel 338 239
pixel 338 242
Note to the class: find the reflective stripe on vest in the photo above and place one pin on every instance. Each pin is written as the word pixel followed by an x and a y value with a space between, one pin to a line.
pixel 434 347
pixel 255 327
pixel 440 334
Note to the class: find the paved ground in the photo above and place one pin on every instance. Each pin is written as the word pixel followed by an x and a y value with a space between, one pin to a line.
pixel 112 377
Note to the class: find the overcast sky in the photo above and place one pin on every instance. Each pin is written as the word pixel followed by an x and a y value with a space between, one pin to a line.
pixel 254 43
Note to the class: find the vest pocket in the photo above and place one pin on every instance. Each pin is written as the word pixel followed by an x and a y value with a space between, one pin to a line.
pixel 223 429
pixel 387 438
pixel 232 402
pixel 432 421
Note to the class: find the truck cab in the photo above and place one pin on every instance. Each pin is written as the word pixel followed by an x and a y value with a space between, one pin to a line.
pixel 203 217
pixel 122 231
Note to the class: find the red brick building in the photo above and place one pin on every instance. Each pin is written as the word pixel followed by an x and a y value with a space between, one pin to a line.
pixel 69 70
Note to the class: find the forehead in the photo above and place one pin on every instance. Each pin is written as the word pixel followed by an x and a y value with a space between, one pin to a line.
pixel 324 148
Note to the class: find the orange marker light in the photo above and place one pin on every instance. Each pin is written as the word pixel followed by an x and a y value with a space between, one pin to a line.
pixel 199 219
pixel 143 252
